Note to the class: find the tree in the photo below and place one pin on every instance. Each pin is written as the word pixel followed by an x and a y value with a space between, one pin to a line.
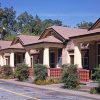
pixel 8 19
pixel 50 22
pixel 84 25
pixel 25 23
pixel 37 29
pixel 24 20
pixel 9 37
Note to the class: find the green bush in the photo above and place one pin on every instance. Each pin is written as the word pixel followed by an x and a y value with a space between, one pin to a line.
pixel 70 76
pixel 7 70
pixel 40 72
pixel 93 90
pixel 22 72
pixel 96 77
pixel 96 74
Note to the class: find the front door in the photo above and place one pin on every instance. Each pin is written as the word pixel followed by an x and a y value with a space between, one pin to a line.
pixel 52 59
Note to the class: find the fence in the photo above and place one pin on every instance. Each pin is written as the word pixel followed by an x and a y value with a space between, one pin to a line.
pixel 57 72
pixel 83 75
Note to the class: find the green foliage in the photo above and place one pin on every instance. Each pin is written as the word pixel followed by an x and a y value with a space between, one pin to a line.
pixel 8 18
pixel 93 90
pixel 84 25
pixel 40 72
pixel 22 72
pixel 96 74
pixel 46 82
pixel 70 76
pixel 9 37
pixel 7 70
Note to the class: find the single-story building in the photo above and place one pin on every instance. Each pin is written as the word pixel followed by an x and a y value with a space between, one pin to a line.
pixel 56 46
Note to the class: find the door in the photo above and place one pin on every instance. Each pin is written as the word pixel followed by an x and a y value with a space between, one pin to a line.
pixel 35 59
pixel 52 60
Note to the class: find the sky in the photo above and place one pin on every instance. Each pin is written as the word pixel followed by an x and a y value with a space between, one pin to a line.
pixel 70 12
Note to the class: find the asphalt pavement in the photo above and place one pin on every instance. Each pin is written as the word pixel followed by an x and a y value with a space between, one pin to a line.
pixel 11 91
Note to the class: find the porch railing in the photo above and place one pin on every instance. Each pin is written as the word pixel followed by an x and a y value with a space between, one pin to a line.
pixel 83 75
pixel 57 73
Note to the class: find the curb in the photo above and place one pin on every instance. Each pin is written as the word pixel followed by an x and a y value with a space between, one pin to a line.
pixel 73 92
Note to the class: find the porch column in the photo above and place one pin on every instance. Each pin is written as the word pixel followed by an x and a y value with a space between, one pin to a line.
pixel 28 58
pixel 65 56
pixel 77 57
pixel 12 59
pixel 1 60
pixel 46 57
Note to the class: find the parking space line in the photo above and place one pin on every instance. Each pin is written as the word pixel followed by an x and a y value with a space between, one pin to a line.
pixel 19 94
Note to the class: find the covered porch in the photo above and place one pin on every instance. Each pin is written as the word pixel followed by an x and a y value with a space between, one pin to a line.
pixel 89 51
pixel 12 57
pixel 49 54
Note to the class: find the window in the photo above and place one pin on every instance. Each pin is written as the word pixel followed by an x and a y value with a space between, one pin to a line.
pixel 85 59
pixel 59 57
pixel 98 55
pixel 71 59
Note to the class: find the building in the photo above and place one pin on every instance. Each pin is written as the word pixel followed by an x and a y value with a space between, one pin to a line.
pixel 56 46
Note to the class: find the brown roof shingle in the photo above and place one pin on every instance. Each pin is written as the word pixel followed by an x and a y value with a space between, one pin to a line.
pixel 66 32
pixel 26 39
pixel 4 44
pixel 16 46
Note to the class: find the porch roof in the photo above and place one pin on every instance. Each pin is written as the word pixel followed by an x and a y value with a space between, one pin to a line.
pixel 16 46
pixel 90 32
pixel 4 44
pixel 27 39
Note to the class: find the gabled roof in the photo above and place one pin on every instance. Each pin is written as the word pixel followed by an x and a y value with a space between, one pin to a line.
pixel 16 46
pixel 95 24
pixel 26 39
pixel 50 39
pixel 66 32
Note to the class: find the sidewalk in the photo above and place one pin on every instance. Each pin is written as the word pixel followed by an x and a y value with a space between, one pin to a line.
pixel 55 87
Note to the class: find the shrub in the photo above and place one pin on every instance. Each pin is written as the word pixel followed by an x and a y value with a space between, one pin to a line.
pixel 40 72
pixel 96 74
pixel 41 82
pixel 46 82
pixel 22 72
pixel 93 90
pixel 7 70
pixel 70 76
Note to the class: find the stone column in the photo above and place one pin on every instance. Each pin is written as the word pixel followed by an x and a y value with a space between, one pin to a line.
pixel 12 59
pixel 77 56
pixel 1 60
pixel 28 58
pixel 46 57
